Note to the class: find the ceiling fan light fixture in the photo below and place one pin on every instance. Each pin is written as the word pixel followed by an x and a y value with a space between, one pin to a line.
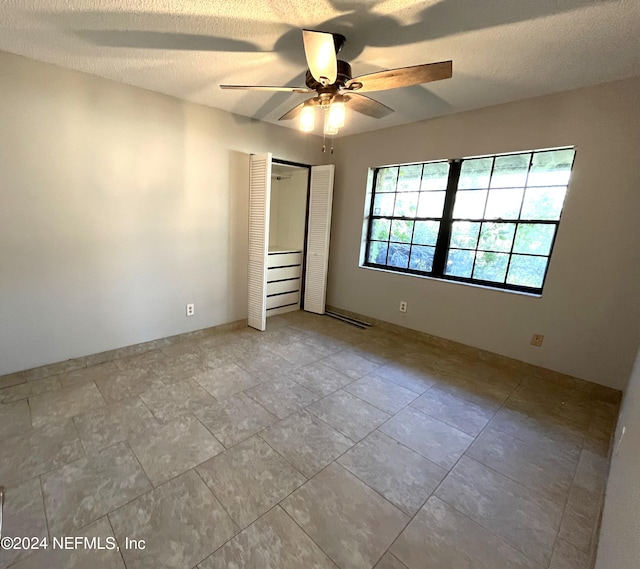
pixel 307 118
pixel 329 129
pixel 336 115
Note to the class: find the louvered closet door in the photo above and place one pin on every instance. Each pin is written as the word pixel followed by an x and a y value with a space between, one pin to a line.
pixel 259 203
pixel 320 201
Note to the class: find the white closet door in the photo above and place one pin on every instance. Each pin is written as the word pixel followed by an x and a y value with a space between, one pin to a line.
pixel 320 200
pixel 259 205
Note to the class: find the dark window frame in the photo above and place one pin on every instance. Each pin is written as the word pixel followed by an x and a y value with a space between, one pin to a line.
pixel 442 246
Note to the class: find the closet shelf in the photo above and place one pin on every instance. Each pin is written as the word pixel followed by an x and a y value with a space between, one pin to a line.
pixel 280 251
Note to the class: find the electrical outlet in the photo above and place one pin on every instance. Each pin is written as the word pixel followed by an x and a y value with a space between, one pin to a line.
pixel 536 340
pixel 403 306
pixel 191 309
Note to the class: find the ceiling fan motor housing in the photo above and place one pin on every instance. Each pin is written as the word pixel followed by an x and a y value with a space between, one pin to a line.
pixel 344 74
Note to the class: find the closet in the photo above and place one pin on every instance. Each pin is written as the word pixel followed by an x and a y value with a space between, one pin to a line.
pixel 289 228
pixel 287 220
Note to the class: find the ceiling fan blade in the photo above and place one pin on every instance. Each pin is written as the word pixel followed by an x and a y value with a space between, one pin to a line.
pixel 267 88
pixel 320 50
pixel 367 106
pixel 401 77
pixel 293 113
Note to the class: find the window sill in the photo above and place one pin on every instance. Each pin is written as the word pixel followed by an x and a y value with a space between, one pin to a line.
pixel 455 282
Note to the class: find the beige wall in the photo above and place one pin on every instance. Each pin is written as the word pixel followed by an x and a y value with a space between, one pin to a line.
pixel 589 311
pixel 619 546
pixel 118 206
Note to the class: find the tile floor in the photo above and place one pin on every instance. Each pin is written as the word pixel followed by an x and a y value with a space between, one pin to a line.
pixel 312 445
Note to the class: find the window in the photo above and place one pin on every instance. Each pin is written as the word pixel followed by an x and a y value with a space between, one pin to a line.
pixel 490 220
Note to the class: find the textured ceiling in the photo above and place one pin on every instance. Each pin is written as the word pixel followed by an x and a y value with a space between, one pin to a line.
pixel 502 50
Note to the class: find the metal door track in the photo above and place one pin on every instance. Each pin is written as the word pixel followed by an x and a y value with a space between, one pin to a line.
pixel 348 320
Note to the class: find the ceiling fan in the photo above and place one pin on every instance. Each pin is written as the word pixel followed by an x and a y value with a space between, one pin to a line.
pixel 334 86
